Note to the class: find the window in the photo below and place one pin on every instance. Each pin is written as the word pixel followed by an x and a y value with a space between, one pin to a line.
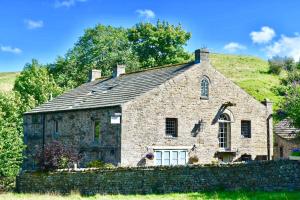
pixel 170 157
pixel 281 152
pixel 224 131
pixel 171 127
pixel 56 126
pixel 35 119
pixel 158 158
pixel 204 87
pixel 97 130
pixel 246 128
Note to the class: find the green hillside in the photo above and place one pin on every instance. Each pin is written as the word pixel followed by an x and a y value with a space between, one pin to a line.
pixel 7 80
pixel 250 73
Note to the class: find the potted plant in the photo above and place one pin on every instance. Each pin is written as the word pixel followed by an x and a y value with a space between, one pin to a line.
pixel 150 156
pixel 295 155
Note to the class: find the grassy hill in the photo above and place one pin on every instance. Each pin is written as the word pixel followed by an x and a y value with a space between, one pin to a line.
pixel 7 80
pixel 250 73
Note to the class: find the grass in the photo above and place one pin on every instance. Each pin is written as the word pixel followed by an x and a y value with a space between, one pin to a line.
pixel 7 80
pixel 237 195
pixel 250 73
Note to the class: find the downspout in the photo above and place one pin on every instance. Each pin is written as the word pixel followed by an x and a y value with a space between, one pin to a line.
pixel 268 136
pixel 43 145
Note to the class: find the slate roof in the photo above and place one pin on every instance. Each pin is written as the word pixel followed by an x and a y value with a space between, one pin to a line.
pixel 111 91
pixel 285 129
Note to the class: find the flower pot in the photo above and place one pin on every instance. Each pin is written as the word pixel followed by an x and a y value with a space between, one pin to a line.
pixel 294 157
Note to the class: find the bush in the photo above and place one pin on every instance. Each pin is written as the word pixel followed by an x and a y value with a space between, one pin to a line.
pixel 56 156
pixel 276 65
pixel 99 164
pixel 295 152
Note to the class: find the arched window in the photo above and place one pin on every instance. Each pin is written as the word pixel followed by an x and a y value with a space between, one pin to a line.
pixel 224 131
pixel 204 87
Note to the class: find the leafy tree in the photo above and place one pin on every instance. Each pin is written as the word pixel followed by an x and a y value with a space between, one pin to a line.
pixel 292 105
pixel 36 85
pixel 276 65
pixel 11 140
pixel 101 47
pixel 159 44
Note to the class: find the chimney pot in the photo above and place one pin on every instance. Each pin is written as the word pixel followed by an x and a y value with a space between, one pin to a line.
pixel 201 55
pixel 119 70
pixel 94 74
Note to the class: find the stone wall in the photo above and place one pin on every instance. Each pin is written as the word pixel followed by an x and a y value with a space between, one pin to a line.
pixel 76 129
pixel 266 176
pixel 143 119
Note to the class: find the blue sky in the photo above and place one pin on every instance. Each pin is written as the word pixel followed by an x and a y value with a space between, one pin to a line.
pixel 45 29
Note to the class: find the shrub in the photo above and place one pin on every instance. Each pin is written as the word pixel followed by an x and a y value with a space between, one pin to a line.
pixel 99 164
pixel 295 152
pixel 56 156
pixel 276 65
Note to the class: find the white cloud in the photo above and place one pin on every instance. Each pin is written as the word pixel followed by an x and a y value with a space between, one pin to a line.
pixel 32 24
pixel 66 3
pixel 265 35
pixel 148 14
pixel 234 46
pixel 10 49
pixel 285 46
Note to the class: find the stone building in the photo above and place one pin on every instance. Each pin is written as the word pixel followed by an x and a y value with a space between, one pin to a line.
pixel 173 112
pixel 285 139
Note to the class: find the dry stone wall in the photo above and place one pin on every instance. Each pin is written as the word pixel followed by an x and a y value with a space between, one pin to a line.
pixel 264 175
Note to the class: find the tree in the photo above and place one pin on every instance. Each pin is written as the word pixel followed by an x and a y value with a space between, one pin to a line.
pixel 36 85
pixel 292 106
pixel 101 47
pixel 11 138
pixel 159 44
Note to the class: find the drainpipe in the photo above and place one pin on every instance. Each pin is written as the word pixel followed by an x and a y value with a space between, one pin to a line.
pixel 268 137
pixel 43 147
pixel 269 112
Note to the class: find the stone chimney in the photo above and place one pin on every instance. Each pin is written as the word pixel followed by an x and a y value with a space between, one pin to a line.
pixel 118 70
pixel 94 74
pixel 201 55
pixel 269 106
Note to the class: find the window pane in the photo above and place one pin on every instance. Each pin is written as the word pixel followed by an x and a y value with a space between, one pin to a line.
pixel 166 158
pixel 158 158
pixel 174 158
pixel 182 158
pixel 246 128
pixel 97 129
pixel 204 87
pixel 171 127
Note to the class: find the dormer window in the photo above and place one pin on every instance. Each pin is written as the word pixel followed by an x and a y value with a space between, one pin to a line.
pixel 204 88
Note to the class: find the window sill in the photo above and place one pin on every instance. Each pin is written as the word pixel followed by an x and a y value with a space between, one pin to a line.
pixel 170 137
pixel 204 98
pixel 243 137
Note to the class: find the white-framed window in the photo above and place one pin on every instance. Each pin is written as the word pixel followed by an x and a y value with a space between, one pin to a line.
pixel 170 157
pixel 224 131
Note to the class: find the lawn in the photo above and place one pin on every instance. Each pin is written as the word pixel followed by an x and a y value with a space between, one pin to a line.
pixel 176 196
pixel 7 80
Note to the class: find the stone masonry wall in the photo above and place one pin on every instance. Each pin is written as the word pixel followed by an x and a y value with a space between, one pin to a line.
pixel 143 119
pixel 75 128
pixel 266 176
pixel 287 145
